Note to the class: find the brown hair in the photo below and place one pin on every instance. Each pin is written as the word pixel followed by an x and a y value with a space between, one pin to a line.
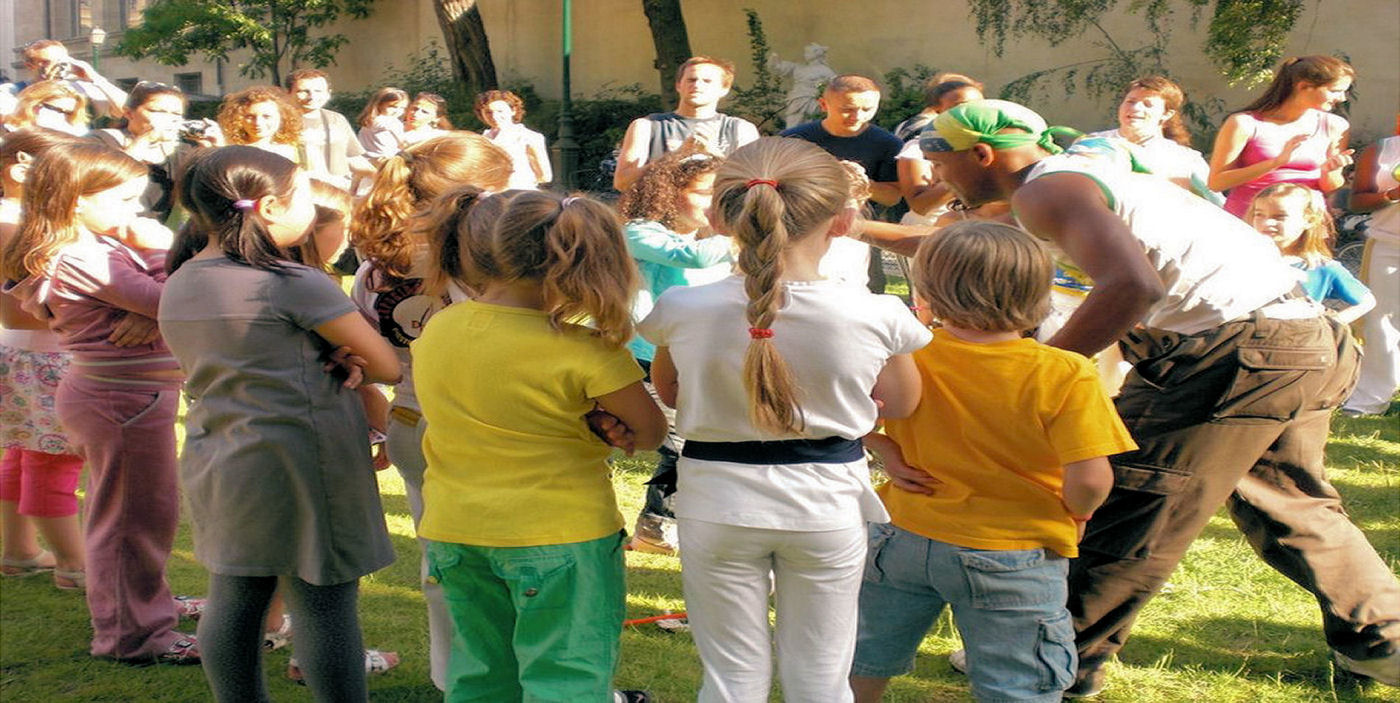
pixel 763 219
pixel 33 98
pixel 935 95
pixel 457 227
pixel 1314 247
pixel 984 276
pixel 656 193
pixel 726 66
pixel 27 145
pixel 65 173
pixel 30 51
pixel 333 205
pixel 1313 70
pixel 852 83
pixel 410 179
pixel 232 110
pixel 209 188
pixel 439 102
pixel 517 106
pixel 144 91
pixel 381 99
pixel 575 249
pixel 1173 98
pixel 304 74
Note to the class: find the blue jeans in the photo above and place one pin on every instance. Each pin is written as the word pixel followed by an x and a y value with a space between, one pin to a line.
pixel 1009 606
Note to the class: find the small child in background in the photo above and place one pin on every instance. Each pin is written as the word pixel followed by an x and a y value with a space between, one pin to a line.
pixel 992 477
pixel 502 111
pixel 1296 218
pixel 518 506
pixel 381 124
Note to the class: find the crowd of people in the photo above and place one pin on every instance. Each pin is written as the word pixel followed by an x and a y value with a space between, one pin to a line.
pixel 1101 350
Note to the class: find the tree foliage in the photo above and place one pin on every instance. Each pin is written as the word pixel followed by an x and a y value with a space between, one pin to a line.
pixel 277 32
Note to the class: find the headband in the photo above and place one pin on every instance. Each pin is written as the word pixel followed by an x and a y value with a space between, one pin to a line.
pixel 983 122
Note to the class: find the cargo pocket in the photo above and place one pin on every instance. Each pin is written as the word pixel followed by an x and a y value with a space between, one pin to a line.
pixel 1273 385
pixel 442 558
pixel 880 534
pixel 1018 578
pixel 1054 653
pixel 1129 524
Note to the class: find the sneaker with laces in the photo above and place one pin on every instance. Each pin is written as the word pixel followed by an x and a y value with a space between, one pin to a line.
pixel 279 638
pixel 189 607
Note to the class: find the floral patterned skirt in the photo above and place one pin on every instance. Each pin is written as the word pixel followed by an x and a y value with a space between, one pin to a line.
pixel 28 381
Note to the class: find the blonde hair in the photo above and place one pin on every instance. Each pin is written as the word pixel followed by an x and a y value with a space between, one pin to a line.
pixel 409 180
pixel 984 276
pixel 37 94
pixel 1314 247
pixel 812 187
pixel 725 66
pixel 63 174
pixel 574 248
pixel 231 113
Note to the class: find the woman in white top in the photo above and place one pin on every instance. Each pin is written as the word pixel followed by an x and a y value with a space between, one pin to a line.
pixel 502 111
pixel 1150 118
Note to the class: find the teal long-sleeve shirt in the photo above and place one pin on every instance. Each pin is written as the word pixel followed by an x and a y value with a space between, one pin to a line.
pixel 667 259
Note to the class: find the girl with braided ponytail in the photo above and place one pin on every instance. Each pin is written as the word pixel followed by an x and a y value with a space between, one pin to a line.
pixel 522 525
pixel 776 374
pixel 276 464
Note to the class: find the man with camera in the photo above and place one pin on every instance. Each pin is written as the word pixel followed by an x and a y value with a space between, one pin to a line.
pixel 47 59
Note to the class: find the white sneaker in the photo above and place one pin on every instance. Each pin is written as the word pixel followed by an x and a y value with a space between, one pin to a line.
pixel 958 660
pixel 1386 670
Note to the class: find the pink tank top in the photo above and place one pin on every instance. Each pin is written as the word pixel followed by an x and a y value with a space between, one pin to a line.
pixel 1266 142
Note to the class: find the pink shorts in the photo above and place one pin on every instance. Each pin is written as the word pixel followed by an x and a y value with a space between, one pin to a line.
pixel 44 485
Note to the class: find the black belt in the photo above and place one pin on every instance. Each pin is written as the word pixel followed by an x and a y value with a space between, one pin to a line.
pixel 827 450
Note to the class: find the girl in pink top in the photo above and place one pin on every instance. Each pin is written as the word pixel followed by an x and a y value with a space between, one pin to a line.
pixel 85 262
pixel 1288 135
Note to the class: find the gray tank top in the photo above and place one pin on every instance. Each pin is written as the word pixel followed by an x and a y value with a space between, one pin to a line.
pixel 669 130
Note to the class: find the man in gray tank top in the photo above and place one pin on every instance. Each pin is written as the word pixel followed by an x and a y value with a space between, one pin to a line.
pixel 701 82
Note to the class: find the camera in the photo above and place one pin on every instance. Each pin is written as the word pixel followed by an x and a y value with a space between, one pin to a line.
pixel 194 129
pixel 60 70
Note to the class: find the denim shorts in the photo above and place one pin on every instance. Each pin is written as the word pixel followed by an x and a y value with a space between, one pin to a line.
pixel 1009 607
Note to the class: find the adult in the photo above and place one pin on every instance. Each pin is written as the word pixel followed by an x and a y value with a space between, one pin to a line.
pixel 265 117
pixel 502 111
pixel 848 133
pixel 1287 135
pixel 702 82
pixel 425 118
pixel 1235 377
pixel 55 105
pixel 48 59
pixel 333 152
pixel 1377 190
pixel 1149 117
pixel 154 115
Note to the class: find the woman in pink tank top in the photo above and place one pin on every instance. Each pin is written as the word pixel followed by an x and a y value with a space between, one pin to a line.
pixel 1287 135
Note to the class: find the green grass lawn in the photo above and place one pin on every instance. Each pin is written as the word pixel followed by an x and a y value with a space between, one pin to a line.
pixel 1227 628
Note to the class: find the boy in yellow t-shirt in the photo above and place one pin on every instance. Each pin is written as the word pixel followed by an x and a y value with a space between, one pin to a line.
pixel 992 477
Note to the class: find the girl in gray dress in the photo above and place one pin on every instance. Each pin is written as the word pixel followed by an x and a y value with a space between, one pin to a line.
pixel 275 467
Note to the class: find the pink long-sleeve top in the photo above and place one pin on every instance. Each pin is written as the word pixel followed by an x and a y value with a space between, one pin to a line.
pixel 93 284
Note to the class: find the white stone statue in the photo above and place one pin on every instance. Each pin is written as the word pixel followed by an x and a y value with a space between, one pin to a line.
pixel 807 79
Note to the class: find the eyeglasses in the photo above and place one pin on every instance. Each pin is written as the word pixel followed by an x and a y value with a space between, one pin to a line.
pixel 55 108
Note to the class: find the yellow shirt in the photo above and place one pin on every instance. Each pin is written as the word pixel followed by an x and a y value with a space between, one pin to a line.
pixel 511 461
pixel 996 424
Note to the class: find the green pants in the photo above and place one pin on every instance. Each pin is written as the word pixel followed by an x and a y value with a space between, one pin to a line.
pixel 532 623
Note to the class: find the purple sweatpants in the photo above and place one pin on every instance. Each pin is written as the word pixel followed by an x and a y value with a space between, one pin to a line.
pixel 127 435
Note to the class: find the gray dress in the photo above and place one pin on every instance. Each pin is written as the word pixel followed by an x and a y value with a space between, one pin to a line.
pixel 276 464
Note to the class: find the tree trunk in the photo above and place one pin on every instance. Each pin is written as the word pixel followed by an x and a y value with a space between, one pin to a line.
pixel 671 40
pixel 465 35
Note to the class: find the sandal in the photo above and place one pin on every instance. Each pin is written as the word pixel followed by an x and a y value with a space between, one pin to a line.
pixel 70 580
pixel 37 564
pixel 190 607
pixel 376 662
pixel 183 651
pixel 277 639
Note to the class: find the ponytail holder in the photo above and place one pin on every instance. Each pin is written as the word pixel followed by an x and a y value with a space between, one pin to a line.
pixel 407 156
pixel 567 201
pixel 760 332
pixel 244 205
pixel 761 181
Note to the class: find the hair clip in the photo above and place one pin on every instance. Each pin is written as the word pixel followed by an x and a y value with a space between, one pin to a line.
pixel 567 201
pixel 244 205
pixel 760 332
pixel 763 181
pixel 697 157
pixel 407 156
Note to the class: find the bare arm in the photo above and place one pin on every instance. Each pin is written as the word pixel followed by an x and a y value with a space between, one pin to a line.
pixel 115 97
pixel 1070 210
pixel 900 239
pixel 634 407
pixel 1366 195
pixel 351 330
pixel 745 133
pixel 539 159
pixel 902 475
pixel 898 387
pixel 663 376
pixel 1338 158
pixel 920 188
pixel 1087 484
pixel 885 193
pixel 636 146
pixel 1350 314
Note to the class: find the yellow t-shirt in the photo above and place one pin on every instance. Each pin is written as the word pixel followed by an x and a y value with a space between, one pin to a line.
pixel 996 424
pixel 511 461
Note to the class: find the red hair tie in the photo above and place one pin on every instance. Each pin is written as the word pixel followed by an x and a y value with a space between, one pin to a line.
pixel 757 181
pixel 761 332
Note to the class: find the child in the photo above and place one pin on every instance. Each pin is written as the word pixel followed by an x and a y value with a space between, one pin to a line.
pixel 381 124
pixel 774 371
pixel 390 292
pixel 992 478
pixel 665 211
pixel 523 528
pixel 1296 218
pixel 40 470
pixel 84 261
pixel 503 111
pixel 276 466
